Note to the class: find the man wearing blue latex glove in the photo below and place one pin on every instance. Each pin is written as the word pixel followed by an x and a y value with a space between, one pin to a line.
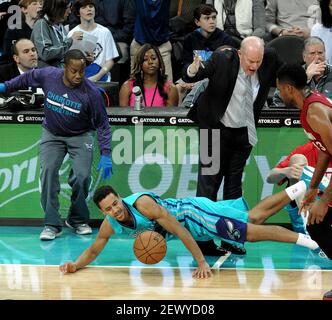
pixel 73 108
pixel 2 88
pixel 105 163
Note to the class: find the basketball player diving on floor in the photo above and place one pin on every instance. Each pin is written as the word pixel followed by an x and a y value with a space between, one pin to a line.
pixel 190 219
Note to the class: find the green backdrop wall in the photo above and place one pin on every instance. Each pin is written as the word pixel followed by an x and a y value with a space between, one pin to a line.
pixel 162 159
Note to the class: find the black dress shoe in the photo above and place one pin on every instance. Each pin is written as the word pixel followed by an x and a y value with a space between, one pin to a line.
pixel 232 248
pixel 209 248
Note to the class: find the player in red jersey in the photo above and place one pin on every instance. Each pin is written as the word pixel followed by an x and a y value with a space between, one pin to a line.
pixel 299 164
pixel 316 120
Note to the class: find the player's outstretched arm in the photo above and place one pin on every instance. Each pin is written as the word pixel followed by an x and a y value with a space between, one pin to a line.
pixel 149 208
pixel 92 252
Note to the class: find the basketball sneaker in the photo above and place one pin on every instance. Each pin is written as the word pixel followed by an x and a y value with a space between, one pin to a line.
pixel 209 248
pixel 233 248
pixel 49 233
pixel 81 229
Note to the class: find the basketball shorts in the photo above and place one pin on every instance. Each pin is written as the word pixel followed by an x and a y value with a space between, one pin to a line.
pixel 232 230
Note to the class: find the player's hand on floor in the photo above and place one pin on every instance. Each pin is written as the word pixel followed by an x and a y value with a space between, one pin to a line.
pixel 203 271
pixel 68 267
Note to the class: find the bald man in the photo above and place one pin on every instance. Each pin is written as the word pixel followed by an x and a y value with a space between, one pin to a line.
pixel 228 111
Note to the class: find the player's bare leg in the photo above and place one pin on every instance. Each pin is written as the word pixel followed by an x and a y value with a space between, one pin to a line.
pixel 273 204
pixel 280 234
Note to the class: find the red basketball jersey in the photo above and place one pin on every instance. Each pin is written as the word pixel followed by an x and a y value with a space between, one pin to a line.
pixel 314 136
pixel 310 151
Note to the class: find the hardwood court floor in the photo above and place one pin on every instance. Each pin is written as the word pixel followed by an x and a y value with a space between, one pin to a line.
pixel 29 270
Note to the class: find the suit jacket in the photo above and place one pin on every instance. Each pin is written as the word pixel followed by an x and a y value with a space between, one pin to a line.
pixel 222 69
pixel 8 71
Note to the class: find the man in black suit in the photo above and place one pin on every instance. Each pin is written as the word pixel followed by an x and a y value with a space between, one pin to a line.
pixel 224 110
pixel 25 58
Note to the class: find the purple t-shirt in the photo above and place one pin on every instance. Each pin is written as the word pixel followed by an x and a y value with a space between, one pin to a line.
pixel 68 111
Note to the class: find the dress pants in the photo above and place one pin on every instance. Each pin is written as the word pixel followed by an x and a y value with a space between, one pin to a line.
pixel 223 155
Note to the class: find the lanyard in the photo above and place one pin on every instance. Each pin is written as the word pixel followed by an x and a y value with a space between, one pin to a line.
pixel 154 94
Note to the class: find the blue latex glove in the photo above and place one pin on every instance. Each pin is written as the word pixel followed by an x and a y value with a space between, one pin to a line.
pixel 105 163
pixel 3 88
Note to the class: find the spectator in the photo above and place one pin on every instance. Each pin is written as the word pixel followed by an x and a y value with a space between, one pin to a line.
pixel 30 10
pixel 119 17
pixel 318 72
pixel 241 18
pixel 25 59
pixel 4 16
pixel 289 18
pixel 290 170
pixel 152 26
pixel 149 74
pixel 105 50
pixel 204 40
pixel 49 34
pixel 73 108
pixel 324 30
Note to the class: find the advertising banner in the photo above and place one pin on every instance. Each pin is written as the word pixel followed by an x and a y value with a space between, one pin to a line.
pixel 161 159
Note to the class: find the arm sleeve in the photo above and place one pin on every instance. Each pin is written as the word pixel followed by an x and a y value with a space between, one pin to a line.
pixel 111 50
pixel 124 29
pixel 187 52
pixel 259 20
pixel 209 68
pixel 100 122
pixel 33 78
pixel 8 42
pixel 271 15
pixel 126 34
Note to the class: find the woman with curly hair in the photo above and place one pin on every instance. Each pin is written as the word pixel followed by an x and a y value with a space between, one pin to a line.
pixel 149 74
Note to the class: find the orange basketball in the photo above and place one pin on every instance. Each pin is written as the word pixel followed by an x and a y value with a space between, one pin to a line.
pixel 150 247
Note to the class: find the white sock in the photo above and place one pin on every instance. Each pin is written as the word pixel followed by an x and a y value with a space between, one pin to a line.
pixel 305 241
pixel 296 190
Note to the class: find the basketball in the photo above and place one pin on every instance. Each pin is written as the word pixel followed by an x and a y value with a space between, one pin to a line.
pixel 150 247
